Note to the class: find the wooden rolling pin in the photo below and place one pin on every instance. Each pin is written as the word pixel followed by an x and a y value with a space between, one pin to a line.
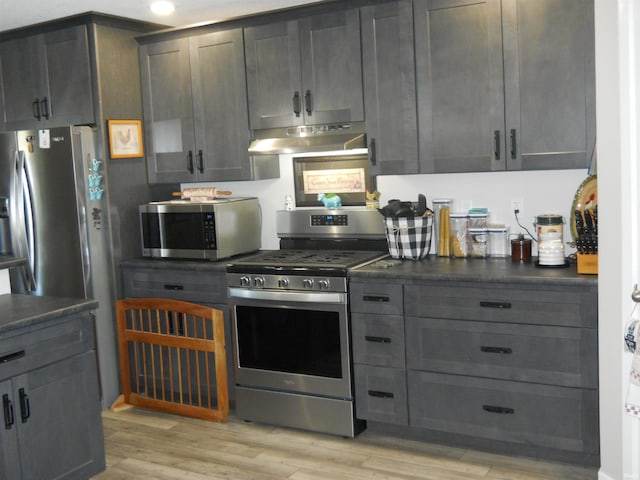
pixel 201 192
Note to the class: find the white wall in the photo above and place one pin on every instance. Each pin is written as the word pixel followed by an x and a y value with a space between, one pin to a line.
pixel 542 192
pixel 617 104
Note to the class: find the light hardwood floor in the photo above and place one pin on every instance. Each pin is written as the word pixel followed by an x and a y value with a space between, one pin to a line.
pixel 143 444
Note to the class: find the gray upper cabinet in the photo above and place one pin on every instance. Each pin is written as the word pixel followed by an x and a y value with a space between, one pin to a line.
pixel 305 71
pixel 46 80
pixel 505 85
pixel 549 58
pixel 389 87
pixel 195 108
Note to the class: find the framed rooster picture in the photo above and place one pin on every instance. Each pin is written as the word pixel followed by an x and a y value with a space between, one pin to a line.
pixel 125 138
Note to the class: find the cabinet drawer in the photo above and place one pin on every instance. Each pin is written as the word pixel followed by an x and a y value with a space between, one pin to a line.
pixel 36 348
pixel 378 339
pixel 381 394
pixel 533 353
pixel 194 286
pixel 385 299
pixel 503 303
pixel 525 413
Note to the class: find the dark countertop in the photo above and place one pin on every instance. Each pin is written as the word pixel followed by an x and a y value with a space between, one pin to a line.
pixel 473 269
pixel 24 311
pixel 8 261
pixel 177 264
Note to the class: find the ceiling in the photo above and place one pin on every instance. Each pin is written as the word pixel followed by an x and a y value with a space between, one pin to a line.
pixel 29 12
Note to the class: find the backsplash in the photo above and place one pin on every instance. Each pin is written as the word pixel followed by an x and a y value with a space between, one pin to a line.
pixel 549 191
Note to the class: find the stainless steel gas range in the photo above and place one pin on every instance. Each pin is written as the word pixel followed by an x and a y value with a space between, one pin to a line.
pixel 290 320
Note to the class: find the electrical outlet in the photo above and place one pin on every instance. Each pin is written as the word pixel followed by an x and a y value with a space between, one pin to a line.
pixel 517 204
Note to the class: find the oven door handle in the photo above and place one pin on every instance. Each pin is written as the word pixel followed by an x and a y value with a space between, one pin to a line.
pixel 279 296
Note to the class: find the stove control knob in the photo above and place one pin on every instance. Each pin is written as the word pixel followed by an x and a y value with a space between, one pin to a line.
pixel 283 282
pixel 307 283
pixel 323 284
pixel 245 281
pixel 258 281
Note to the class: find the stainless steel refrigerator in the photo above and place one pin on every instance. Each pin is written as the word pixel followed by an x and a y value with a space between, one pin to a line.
pixel 56 188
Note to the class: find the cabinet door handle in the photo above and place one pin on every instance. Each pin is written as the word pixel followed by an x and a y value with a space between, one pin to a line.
pixel 372 152
pixel 7 407
pixel 497 409
pixel 514 149
pixel 500 305
pixel 496 144
pixel 25 410
pixel 379 394
pixel 200 162
pixel 12 356
pixel 36 109
pixel 369 338
pixel 501 350
pixel 190 161
pixel 169 286
pixel 296 103
pixel 375 298
pixel 44 103
pixel 308 102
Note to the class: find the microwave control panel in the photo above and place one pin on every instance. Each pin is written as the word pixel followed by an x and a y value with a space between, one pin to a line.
pixel 209 230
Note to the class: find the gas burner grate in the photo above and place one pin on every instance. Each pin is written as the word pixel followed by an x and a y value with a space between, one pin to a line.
pixel 309 258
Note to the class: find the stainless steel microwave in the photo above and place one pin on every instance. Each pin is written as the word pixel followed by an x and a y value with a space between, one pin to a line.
pixel 208 230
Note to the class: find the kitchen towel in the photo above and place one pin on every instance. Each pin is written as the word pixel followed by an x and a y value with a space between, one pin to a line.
pixel 631 338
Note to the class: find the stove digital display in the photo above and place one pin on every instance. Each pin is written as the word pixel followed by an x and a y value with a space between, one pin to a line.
pixel 329 220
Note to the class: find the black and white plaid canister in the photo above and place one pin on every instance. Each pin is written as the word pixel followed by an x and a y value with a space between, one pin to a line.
pixel 409 237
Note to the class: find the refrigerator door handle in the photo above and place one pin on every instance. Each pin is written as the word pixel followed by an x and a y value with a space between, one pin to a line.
pixel 84 244
pixel 22 221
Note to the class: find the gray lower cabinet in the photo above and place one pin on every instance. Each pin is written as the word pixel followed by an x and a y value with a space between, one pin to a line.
pixel 389 82
pixel 505 84
pixel 51 403
pixel 502 365
pixel 195 108
pixel 36 87
pixel 305 71
pixel 196 286
pixel 377 324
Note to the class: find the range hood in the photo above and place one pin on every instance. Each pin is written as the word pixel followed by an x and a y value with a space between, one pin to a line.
pixel 312 138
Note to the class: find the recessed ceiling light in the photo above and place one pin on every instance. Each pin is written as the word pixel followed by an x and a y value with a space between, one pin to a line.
pixel 162 8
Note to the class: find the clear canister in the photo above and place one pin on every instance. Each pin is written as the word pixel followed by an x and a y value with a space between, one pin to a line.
pixel 441 226
pixel 477 220
pixel 498 241
pixel 478 242
pixel 459 235
pixel 549 228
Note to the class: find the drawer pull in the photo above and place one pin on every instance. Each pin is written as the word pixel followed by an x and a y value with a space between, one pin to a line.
pixel 500 305
pixel 369 338
pixel 496 409
pixel 502 350
pixel 375 298
pixel 173 287
pixel 25 409
pixel 12 356
pixel 379 394
pixel 7 406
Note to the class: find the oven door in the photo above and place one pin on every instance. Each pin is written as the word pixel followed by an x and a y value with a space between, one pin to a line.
pixel 291 341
